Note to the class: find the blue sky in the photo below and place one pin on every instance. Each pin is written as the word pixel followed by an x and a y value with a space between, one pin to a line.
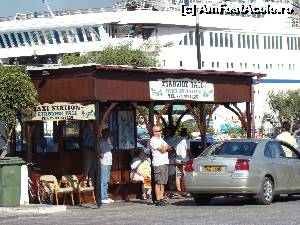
pixel 11 7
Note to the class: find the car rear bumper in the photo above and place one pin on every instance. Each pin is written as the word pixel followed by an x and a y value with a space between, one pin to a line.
pixel 221 184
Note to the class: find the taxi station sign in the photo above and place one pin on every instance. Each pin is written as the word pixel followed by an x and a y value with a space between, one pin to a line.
pixel 181 89
pixel 62 111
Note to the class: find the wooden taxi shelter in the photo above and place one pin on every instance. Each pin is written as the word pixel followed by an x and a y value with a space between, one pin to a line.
pixel 116 90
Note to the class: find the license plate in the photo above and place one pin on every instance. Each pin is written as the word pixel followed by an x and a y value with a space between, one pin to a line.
pixel 212 168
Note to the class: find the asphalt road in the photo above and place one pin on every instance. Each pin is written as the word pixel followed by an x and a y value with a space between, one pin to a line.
pixel 179 212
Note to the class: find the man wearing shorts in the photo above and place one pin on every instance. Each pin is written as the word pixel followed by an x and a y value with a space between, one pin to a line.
pixel 160 163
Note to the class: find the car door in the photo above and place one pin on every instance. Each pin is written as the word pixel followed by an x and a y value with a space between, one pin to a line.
pixel 294 165
pixel 274 152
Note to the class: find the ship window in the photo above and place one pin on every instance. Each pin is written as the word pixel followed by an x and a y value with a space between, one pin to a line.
pixel 231 65
pixel 226 40
pixel 191 39
pixel 202 38
pixel 21 39
pixel 64 36
pixel 253 42
pixel 218 64
pixel 257 42
pixel 280 42
pixel 296 43
pixel 282 66
pixel 231 41
pixel 180 63
pixel 276 42
pixel 288 43
pixel 48 37
pixel 269 42
pixel 7 40
pixel 211 40
pixel 26 34
pixel 221 39
pixel 248 42
pixel 253 66
pixel 227 65
pixel 241 65
pixel 289 66
pixel 14 40
pixel 164 62
pixel 42 37
pixel 216 40
pixel 273 43
pixel 88 33
pixel 185 40
pixel 202 63
pixel 267 66
pixel 97 33
pixel 244 40
pixel 293 66
pixel 246 65
pixel 2 42
pixel 271 66
pixel 56 36
pixel 80 34
pixel 213 64
pixel 72 37
pixel 239 41
pixel 265 42
pixel 34 37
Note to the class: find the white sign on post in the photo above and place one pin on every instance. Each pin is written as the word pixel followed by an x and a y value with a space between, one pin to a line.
pixel 181 89
pixel 62 111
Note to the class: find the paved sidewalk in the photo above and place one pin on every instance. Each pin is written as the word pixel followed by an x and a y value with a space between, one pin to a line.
pixel 33 209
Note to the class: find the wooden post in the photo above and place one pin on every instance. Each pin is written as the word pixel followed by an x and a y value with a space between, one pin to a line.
pixel 151 121
pixel 249 122
pixel 97 148
pixel 203 124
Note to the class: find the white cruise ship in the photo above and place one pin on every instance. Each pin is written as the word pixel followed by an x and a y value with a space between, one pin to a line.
pixel 265 43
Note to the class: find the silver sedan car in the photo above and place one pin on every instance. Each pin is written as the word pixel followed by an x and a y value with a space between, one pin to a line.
pixel 259 168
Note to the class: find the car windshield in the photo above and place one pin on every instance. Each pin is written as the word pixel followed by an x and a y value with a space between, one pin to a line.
pixel 231 148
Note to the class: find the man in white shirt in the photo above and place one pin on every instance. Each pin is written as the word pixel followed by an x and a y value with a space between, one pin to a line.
pixel 106 162
pixel 160 163
pixel 287 137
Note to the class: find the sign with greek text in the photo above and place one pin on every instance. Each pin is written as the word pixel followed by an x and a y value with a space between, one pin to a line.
pixel 181 89
pixel 62 111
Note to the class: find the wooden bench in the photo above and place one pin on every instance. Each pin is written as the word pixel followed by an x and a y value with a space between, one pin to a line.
pixel 120 185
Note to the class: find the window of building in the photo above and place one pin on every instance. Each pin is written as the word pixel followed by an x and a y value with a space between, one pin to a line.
pixel 96 34
pixel 273 43
pixel 248 42
pixel 88 33
pixel 211 41
pixel 231 40
pixel 185 42
pixel 277 43
pixel 271 66
pixel 180 63
pixel 244 40
pixel 246 65
pixel 292 43
pixel 213 64
pixel 202 64
pixel 253 41
pixel 221 40
pixel 191 37
pixel 202 38
pixel 71 138
pixel 265 42
pixel 267 66
pixel 290 67
pixel 216 40
pixel 164 62
pixel 296 43
pixel 231 65
pixel 269 42
pixel 280 42
pixel 226 39
pixel 258 66
pixel 227 65
pixel 288 43
pixel 241 65
pixel 239 41
pixel 218 64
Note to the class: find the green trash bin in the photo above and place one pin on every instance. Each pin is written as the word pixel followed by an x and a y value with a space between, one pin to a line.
pixel 10 181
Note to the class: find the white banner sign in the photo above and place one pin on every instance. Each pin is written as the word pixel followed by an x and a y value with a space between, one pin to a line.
pixel 181 89
pixel 62 111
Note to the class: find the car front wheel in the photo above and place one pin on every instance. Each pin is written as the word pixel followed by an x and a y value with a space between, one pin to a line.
pixel 265 196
